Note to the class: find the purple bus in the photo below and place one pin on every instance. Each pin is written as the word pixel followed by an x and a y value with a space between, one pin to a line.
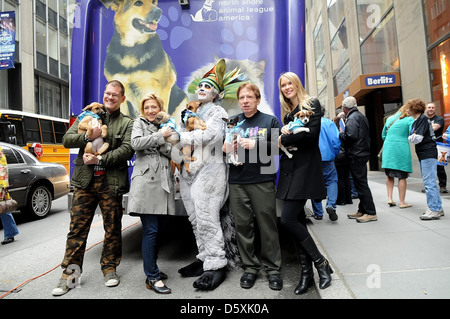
pixel 161 46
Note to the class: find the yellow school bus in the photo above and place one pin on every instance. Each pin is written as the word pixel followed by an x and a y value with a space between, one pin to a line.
pixel 41 135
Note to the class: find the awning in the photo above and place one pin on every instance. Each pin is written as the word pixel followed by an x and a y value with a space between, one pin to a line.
pixel 367 83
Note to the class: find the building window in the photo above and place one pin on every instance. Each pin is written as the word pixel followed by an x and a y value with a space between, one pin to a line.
pixel 4 97
pixel 319 53
pixel 370 14
pixel 52 40
pixel 438 36
pixel 339 48
pixel 339 45
pixel 379 51
pixel 336 14
pixel 52 58
pixel 51 98
pixel 323 99
pixel 440 76
pixel 342 79
pixel 12 5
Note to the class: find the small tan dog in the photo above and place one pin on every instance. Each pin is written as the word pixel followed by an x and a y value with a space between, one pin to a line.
pixel 443 158
pixel 90 118
pixel 298 125
pixel 191 122
pixel 164 120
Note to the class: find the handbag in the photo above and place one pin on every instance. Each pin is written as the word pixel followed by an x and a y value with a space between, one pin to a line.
pixel 380 153
pixel 8 205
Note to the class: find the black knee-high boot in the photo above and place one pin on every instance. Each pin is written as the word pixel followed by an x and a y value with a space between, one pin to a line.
pixel 307 275
pixel 320 262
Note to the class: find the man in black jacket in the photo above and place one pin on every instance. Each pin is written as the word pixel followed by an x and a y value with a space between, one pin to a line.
pixel 356 141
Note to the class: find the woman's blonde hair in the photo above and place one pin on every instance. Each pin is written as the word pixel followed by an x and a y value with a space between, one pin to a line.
pixel 158 100
pixel 404 112
pixel 302 96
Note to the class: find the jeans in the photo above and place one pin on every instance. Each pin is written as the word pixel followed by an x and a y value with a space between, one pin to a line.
pixel 150 225
pixel 9 225
pixel 428 169
pixel 331 183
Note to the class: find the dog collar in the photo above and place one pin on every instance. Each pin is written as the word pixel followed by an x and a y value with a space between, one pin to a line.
pixel 85 113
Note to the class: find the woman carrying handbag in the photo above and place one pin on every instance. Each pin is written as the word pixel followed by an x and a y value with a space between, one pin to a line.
pixel 7 204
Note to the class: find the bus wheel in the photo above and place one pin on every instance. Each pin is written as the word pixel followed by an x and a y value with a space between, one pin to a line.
pixel 39 202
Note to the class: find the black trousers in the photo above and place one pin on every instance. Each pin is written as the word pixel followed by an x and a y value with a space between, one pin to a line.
pixel 442 176
pixel 358 168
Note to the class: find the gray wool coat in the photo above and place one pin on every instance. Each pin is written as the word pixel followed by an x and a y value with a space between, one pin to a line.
pixel 152 188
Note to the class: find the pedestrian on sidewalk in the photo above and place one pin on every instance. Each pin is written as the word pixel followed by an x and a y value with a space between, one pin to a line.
pixel 10 229
pixel 329 145
pixel 301 178
pixel 343 168
pixel 396 155
pixel 422 136
pixel 437 123
pixel 357 148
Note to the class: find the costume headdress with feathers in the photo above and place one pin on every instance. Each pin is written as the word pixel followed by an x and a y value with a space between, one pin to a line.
pixel 226 84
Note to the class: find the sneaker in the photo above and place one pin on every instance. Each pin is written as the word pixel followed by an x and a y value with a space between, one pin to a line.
pixel 61 288
pixel 355 215
pixel 443 190
pixel 111 279
pixel 367 218
pixel 332 213
pixel 430 215
pixel 441 213
pixel 309 212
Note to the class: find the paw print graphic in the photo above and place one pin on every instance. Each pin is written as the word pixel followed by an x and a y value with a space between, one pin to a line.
pixel 179 32
pixel 239 41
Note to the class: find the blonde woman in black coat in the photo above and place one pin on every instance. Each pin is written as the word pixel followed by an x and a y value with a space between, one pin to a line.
pixel 301 178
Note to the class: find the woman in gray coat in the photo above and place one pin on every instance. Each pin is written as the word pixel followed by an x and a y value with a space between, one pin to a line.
pixel 152 184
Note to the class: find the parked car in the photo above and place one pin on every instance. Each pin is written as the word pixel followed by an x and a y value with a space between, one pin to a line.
pixel 34 184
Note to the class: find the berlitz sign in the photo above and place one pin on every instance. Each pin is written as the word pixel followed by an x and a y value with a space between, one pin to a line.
pixel 381 80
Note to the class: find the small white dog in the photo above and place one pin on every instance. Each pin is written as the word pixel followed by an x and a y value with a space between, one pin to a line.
pixel 298 125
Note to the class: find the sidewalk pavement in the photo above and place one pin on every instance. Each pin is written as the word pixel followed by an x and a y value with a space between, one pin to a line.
pixel 397 257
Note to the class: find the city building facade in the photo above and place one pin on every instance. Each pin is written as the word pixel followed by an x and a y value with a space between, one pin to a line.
pixel 39 81
pixel 383 52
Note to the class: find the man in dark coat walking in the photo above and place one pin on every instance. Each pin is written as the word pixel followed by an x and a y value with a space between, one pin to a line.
pixel 356 142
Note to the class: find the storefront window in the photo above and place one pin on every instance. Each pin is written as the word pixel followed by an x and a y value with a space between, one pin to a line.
pixel 379 52
pixel 440 76
pixel 437 25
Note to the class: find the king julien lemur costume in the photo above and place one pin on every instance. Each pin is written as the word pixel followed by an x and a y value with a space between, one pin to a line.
pixel 204 190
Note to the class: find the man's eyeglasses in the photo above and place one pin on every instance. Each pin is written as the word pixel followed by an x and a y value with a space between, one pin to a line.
pixel 113 95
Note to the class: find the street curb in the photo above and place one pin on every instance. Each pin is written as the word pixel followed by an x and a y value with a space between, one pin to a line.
pixel 338 288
